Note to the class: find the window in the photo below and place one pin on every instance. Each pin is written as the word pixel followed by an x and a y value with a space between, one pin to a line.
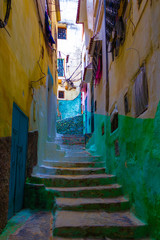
pixel 61 94
pixel 114 120
pixel 62 33
pixel 60 63
pixel 141 93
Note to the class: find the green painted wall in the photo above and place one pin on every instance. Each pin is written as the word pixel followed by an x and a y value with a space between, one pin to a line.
pixel 138 164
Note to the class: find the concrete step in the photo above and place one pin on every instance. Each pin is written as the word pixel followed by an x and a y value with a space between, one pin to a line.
pixel 92 238
pixel 82 158
pixel 73 164
pixel 72 147
pixel 69 171
pixel 90 204
pixel 76 153
pixel 118 225
pixel 71 139
pixel 73 181
pixel 112 190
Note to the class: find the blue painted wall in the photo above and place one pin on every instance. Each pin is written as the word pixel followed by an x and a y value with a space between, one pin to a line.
pixel 70 108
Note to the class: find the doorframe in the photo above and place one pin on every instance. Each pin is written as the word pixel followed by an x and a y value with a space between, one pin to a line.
pixel 15 106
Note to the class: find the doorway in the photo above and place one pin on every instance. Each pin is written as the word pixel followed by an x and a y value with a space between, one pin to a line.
pixel 18 160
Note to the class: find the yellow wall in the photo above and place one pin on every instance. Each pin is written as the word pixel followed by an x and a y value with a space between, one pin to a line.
pixel 19 55
pixel 142 34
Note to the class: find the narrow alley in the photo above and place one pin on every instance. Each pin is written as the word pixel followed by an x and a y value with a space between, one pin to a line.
pixel 79 119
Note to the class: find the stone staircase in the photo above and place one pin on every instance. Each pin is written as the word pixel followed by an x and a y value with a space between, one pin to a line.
pixel 89 204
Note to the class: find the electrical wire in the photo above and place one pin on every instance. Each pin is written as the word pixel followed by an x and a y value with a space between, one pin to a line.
pixel 44 75
pixel 77 74
pixel 75 70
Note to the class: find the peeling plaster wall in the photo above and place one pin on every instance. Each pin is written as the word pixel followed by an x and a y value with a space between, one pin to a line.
pixel 19 56
pixel 40 123
pixel 141 46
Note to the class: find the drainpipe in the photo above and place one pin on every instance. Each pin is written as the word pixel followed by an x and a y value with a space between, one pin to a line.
pixel 107 73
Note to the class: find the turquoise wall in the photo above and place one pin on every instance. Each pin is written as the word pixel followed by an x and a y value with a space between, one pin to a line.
pixel 70 108
pixel 138 164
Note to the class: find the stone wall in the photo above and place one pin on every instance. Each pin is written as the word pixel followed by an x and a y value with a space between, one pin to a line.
pixel 72 125
pixel 5 156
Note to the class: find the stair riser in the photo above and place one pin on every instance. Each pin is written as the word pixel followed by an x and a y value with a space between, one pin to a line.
pixel 81 159
pixel 74 165
pixel 69 172
pixel 113 232
pixel 89 193
pixel 70 142
pixel 94 207
pixel 73 182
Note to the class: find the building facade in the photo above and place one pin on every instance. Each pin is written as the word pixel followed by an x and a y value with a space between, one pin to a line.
pixel 69 61
pixel 28 87
pixel 121 96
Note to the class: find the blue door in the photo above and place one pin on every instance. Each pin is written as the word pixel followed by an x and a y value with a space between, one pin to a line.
pixel 18 160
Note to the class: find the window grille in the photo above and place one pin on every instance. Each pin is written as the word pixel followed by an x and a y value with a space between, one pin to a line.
pixel 60 67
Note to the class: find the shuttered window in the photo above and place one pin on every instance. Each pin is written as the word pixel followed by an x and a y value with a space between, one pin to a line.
pixel 141 93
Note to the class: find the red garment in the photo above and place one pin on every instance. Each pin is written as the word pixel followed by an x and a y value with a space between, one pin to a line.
pixel 99 71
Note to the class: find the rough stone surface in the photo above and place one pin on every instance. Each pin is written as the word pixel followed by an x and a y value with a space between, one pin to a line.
pixel 83 224
pixel 37 227
pixel 72 125
pixel 5 156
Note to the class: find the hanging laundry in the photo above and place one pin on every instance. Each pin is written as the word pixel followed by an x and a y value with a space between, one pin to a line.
pixel 48 29
pixel 99 71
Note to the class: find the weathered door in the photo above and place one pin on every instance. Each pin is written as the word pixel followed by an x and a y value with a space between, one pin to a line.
pixel 18 160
